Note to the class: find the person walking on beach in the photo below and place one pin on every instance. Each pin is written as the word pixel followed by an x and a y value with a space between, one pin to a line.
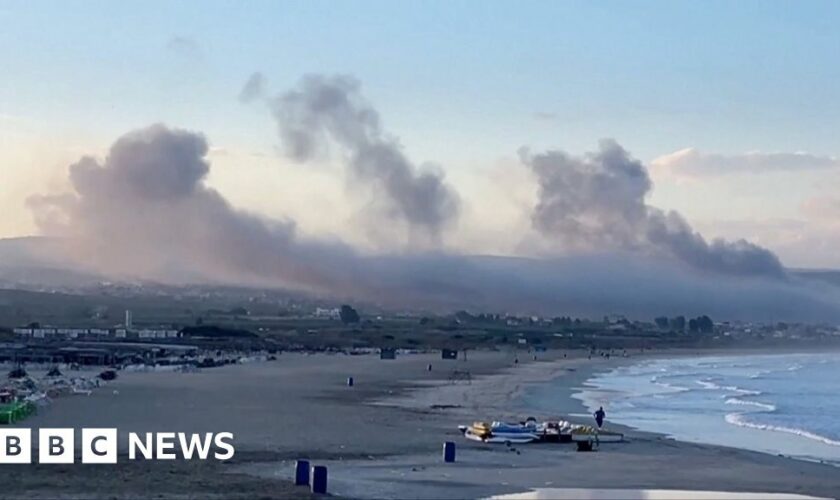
pixel 599 416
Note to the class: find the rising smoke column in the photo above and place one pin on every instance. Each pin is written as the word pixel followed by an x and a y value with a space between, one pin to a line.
pixel 145 212
pixel 331 108
pixel 598 200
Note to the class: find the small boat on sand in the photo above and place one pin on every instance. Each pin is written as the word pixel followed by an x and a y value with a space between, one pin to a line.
pixel 501 432
pixel 531 431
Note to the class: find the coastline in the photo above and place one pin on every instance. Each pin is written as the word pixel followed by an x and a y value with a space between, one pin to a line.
pixel 789 442
pixel 382 437
pixel 506 393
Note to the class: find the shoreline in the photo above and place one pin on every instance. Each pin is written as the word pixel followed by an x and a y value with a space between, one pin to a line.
pixel 575 409
pixel 513 384
pixel 382 437
pixel 789 435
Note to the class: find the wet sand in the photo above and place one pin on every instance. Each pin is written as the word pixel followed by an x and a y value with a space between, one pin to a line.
pixel 382 437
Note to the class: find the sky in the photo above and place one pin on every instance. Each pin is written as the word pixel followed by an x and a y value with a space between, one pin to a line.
pixel 731 106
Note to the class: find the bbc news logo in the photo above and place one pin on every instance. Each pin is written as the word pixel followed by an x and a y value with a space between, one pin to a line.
pixel 99 446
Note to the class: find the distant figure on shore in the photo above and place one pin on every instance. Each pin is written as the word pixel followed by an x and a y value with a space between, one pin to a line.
pixel 599 416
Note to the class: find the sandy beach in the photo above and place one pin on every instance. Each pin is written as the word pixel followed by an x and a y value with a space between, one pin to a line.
pixel 382 437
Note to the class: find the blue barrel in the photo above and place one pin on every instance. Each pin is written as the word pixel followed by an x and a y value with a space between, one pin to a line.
pixel 302 472
pixel 449 452
pixel 319 479
pixel 349 381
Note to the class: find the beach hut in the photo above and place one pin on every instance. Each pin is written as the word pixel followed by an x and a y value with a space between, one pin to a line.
pixel 387 353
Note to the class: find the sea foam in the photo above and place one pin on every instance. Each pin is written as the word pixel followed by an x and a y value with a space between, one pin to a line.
pixel 708 384
pixel 763 406
pixel 739 420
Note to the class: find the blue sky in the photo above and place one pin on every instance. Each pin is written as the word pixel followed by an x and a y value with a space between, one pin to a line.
pixel 462 83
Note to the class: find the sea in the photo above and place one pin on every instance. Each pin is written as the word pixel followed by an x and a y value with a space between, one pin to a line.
pixel 783 404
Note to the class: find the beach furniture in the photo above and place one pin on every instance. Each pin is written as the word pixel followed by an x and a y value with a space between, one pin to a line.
pixel 302 472
pixel 319 479
pixel 448 452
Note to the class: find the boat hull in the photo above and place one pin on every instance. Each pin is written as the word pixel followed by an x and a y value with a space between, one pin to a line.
pixel 601 438
pixel 519 438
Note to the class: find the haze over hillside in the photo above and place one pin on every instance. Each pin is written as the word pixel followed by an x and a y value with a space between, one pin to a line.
pixel 594 245
pixel 589 286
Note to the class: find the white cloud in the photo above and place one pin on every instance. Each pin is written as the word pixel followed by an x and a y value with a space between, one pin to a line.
pixel 691 163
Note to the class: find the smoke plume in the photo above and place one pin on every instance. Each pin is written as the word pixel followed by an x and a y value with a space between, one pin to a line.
pixel 598 200
pixel 323 109
pixel 146 212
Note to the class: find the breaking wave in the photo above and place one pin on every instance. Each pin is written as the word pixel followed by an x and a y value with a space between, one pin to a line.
pixel 666 385
pixel 765 407
pixel 708 384
pixel 739 420
pixel 719 401
pixel 705 384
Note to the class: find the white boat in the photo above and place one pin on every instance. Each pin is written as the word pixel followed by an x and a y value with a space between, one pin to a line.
pixel 530 431
pixel 500 432
pixel 521 439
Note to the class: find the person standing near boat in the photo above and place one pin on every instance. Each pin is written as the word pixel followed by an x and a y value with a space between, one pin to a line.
pixel 599 417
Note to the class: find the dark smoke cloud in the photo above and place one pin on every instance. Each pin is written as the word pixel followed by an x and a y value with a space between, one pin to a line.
pixel 323 109
pixel 145 212
pixel 592 285
pixel 671 231
pixel 598 200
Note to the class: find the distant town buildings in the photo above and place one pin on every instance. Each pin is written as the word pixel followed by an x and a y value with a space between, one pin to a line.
pixel 95 333
pixel 326 312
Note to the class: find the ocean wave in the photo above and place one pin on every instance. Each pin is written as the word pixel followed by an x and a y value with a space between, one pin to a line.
pixel 764 406
pixel 738 419
pixel 745 392
pixel 708 384
pixel 792 368
pixel 705 384
pixel 665 385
